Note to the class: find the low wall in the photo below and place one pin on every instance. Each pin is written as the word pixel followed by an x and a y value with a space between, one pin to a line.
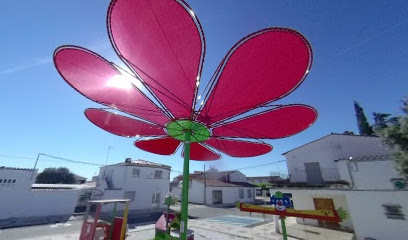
pixel 22 208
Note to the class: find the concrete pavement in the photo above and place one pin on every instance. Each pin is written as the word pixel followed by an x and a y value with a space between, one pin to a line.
pixel 207 229
pixel 206 224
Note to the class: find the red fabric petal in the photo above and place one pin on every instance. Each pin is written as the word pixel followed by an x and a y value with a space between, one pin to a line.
pixel 235 148
pixel 164 43
pixel 262 67
pixel 199 152
pixel 276 123
pixel 162 146
pixel 97 79
pixel 121 125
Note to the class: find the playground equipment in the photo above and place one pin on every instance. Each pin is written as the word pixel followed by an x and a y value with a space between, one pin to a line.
pixel 168 225
pixel 281 209
pixel 162 44
pixel 95 229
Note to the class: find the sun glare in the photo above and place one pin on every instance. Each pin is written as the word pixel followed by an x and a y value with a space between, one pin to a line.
pixel 124 81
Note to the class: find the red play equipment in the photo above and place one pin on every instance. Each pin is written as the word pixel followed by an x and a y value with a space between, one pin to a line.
pixel 95 229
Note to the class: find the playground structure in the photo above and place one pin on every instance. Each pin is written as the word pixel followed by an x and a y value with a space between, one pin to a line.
pixel 168 225
pixel 281 209
pixel 236 113
pixel 94 228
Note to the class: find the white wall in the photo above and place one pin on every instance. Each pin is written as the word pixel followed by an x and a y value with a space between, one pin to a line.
pixel 368 215
pixel 144 185
pixel 196 192
pixel 257 181
pixel 303 200
pixel 369 174
pixel 37 203
pixel 365 210
pixel 230 195
pixel 330 148
pixel 23 179
pixel 115 173
pixel 19 201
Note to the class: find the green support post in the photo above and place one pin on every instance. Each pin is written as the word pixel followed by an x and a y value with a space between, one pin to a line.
pixel 112 220
pixel 284 234
pixel 186 180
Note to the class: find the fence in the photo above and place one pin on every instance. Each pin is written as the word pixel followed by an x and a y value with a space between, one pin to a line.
pixel 314 176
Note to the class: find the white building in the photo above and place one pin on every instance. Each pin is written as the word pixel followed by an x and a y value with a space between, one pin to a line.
pixel 217 188
pixel 26 203
pixel 145 183
pixel 259 180
pixel 355 173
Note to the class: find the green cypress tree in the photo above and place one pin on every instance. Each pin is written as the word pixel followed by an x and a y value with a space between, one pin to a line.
pixel 362 123
pixel 396 136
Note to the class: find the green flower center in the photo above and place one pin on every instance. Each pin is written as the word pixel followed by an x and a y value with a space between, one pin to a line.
pixel 177 129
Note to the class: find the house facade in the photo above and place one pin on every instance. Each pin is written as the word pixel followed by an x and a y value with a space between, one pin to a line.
pixel 355 173
pixel 145 183
pixel 25 203
pixel 217 188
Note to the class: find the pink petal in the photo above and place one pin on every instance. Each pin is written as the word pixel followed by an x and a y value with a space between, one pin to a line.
pixel 276 123
pixel 95 78
pixel 235 148
pixel 121 125
pixel 199 152
pixel 163 42
pixel 263 67
pixel 162 146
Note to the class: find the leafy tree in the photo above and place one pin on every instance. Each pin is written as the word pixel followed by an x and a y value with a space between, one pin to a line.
pixel 56 176
pixel 380 120
pixel 396 136
pixel 362 123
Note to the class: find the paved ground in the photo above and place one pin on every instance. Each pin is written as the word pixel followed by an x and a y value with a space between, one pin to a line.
pixel 207 223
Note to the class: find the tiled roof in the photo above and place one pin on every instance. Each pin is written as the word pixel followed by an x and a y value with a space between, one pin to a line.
pixel 208 175
pixel 259 178
pixel 367 158
pixel 78 177
pixel 331 134
pixel 269 178
pixel 13 168
pixel 218 183
pixel 143 163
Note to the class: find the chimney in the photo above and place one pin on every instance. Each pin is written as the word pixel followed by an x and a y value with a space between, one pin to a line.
pixel 128 160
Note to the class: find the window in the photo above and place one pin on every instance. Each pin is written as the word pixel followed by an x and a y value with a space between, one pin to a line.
pixel 136 172
pixel 1 180
pixel 130 195
pixel 241 193
pixel 156 198
pixel 158 174
pixel 14 180
pixel 9 181
pixel 216 196
pixel 249 192
pixel 393 211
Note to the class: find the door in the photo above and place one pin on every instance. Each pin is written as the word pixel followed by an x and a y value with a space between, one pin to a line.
pixel 217 197
pixel 156 200
pixel 313 173
pixel 325 204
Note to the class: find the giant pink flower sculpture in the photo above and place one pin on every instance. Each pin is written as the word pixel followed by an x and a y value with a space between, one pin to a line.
pixel 163 44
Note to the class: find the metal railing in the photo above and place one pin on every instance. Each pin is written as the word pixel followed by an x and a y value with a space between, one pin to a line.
pixel 318 176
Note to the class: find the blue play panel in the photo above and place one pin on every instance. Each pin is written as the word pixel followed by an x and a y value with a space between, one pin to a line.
pixel 235 220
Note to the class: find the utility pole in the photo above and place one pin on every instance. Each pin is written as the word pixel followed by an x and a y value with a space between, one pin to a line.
pixel 35 164
pixel 107 157
pixel 205 188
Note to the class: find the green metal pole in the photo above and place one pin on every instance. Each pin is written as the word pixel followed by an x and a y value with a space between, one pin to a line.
pixel 112 220
pixel 284 234
pixel 186 180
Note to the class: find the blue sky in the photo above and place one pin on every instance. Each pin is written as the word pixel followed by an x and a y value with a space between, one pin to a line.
pixel 360 53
